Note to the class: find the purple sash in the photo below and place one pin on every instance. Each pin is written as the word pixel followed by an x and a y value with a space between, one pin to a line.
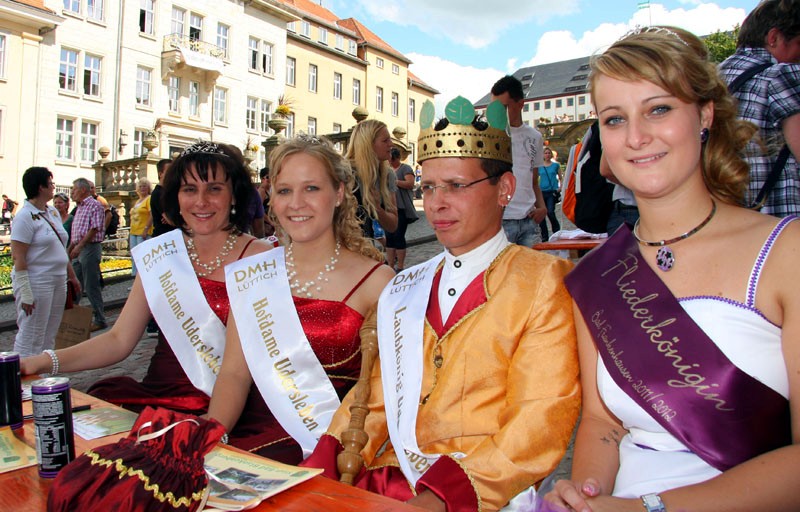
pixel 661 358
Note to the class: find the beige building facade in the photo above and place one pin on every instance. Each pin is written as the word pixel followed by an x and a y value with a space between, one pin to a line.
pixel 80 75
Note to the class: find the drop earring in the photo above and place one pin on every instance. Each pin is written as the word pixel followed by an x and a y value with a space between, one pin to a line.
pixel 703 135
pixel 233 210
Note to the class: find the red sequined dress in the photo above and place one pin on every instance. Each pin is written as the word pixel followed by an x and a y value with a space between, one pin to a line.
pixel 332 330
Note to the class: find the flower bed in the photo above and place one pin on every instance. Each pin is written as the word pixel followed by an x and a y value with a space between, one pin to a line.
pixel 109 266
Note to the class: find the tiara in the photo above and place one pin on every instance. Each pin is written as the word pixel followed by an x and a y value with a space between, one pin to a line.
pixel 202 146
pixel 460 137
pixel 638 29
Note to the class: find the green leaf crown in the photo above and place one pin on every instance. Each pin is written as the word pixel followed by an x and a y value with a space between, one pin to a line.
pixel 461 138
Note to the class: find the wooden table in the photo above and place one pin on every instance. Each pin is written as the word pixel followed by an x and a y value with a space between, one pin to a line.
pixel 24 491
pixel 576 247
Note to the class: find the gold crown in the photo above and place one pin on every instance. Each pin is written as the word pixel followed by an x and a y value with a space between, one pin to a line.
pixel 460 138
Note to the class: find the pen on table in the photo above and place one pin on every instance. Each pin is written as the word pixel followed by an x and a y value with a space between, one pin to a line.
pixel 78 408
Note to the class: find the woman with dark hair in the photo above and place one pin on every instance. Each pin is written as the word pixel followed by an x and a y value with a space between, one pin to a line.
pixel 688 324
pixel 181 279
pixel 41 265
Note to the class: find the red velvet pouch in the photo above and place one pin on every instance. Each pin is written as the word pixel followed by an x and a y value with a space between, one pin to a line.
pixel 158 467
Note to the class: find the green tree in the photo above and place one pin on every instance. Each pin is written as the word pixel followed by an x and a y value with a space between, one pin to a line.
pixel 722 45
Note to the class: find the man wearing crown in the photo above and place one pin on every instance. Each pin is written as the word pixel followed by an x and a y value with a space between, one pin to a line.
pixel 475 394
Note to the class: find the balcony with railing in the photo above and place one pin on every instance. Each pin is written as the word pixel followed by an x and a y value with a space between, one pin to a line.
pixel 181 51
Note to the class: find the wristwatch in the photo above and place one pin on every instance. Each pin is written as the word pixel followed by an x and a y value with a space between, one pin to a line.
pixel 652 503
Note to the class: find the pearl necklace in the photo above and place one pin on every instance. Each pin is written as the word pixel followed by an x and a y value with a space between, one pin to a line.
pixel 316 284
pixel 209 268
pixel 665 257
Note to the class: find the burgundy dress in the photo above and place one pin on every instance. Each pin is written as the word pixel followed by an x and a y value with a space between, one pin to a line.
pixel 332 330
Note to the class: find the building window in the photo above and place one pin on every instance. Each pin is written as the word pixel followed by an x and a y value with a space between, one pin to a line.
pixel 250 113
pixel 64 138
pixel 266 109
pixel 194 99
pixel 261 56
pixel 559 103
pixel 223 33
pixel 68 70
pixel 395 104
pixel 72 6
pixel 266 57
pixel 536 106
pixel 570 102
pixel 220 105
pixel 305 29
pixel 195 27
pixel 177 20
pixel 412 111
pixel 94 9
pixel 581 100
pixel 143 79
pixel 291 66
pixel 379 99
pixel 174 93
pixel 312 77
pixel 379 62
pixel 3 43
pixel 395 69
pixel 138 143
pixel 290 126
pixel 147 16
pixel 91 75
pixel 547 104
pixel 340 42
pixel 88 141
pixel 337 128
pixel 353 47
pixel 526 107
pixel 337 86
pixel 356 91
pixel 312 125
pixel 323 35
pixel 292 27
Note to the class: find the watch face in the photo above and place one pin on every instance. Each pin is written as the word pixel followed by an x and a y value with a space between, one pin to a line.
pixel 653 503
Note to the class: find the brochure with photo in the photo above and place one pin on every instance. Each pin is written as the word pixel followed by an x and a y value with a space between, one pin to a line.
pixel 14 453
pixel 239 480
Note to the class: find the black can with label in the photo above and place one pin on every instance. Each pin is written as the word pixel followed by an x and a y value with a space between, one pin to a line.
pixel 10 390
pixel 52 419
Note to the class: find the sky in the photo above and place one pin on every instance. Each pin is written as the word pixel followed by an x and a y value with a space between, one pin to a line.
pixel 461 47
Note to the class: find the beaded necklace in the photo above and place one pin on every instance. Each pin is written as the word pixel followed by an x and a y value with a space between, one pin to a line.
pixel 209 268
pixel 314 284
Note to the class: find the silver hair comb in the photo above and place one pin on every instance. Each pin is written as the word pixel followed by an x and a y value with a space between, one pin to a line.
pixel 202 146
pixel 653 30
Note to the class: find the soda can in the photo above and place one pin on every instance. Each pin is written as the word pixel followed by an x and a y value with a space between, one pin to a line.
pixel 10 390
pixel 52 420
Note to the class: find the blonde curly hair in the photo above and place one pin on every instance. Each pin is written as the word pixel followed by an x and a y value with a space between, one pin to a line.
pixel 678 62
pixel 368 169
pixel 346 226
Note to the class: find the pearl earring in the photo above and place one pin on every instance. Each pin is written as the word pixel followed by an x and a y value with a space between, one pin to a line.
pixel 233 210
pixel 508 197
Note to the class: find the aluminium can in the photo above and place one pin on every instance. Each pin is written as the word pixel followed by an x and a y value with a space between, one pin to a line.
pixel 52 419
pixel 10 390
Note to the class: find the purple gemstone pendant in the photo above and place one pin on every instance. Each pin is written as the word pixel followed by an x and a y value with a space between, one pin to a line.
pixel 665 258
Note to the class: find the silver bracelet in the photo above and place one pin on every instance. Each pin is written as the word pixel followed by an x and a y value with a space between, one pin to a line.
pixel 54 359
pixel 652 502
pixel 224 438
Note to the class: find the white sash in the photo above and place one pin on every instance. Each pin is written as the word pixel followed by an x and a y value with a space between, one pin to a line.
pixel 176 300
pixel 284 367
pixel 401 323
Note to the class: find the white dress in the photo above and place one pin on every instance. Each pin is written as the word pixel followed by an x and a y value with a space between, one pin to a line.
pixel 651 459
